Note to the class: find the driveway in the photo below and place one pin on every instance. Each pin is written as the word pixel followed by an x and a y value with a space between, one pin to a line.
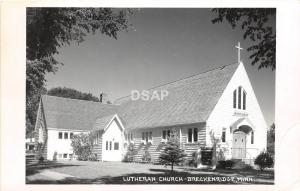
pixel 87 172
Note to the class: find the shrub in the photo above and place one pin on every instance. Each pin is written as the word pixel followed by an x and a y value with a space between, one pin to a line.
pixel 264 160
pixel 146 157
pixel 82 146
pixel 248 167
pixel 92 157
pixel 41 159
pixel 225 164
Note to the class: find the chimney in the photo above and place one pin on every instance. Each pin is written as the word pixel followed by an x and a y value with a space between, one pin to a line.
pixel 103 97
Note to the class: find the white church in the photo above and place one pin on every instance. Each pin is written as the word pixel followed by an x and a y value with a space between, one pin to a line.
pixel 214 107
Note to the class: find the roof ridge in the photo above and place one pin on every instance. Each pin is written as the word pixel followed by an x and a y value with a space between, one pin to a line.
pixel 218 67
pixel 73 99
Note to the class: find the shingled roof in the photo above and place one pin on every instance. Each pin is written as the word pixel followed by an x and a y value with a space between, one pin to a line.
pixel 65 113
pixel 190 100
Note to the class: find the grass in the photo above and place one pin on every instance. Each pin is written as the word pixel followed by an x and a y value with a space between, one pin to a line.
pixel 88 172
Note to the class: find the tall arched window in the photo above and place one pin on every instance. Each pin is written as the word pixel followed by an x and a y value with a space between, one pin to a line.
pixel 239 98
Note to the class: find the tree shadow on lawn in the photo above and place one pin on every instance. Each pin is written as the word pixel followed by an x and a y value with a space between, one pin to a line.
pixel 32 169
pixel 161 176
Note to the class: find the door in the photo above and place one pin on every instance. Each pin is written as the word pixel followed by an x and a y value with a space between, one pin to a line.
pixel 239 145
pixel 112 150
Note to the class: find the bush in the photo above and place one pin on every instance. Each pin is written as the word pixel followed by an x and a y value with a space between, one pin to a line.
pixel 82 146
pixel 264 160
pixel 41 159
pixel 93 157
pixel 146 157
pixel 248 167
pixel 225 164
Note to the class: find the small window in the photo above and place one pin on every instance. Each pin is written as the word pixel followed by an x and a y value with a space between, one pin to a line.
pixel 110 145
pixel 147 138
pixel 234 99
pixel 131 137
pixel 239 97
pixel 224 135
pixel 60 135
pixel 169 133
pixel 60 156
pixel 70 156
pixel 252 137
pixel 164 134
pixel 244 100
pixel 116 146
pixel 65 155
pixel 195 134
pixel 190 135
pixel 66 135
pixel 106 145
pixel 150 135
pixel 143 136
pixel 71 135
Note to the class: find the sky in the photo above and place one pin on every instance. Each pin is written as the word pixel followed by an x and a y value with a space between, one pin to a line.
pixel 164 45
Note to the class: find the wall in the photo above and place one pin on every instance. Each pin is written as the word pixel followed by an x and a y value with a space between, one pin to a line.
pixel 223 115
pixel 113 133
pixel 61 146
pixel 157 146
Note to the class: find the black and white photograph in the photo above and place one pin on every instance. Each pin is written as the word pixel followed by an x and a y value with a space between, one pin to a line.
pixel 150 95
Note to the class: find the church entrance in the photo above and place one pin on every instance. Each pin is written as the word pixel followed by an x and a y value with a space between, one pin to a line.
pixel 239 145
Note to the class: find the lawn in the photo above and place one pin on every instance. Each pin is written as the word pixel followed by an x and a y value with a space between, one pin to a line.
pixel 87 172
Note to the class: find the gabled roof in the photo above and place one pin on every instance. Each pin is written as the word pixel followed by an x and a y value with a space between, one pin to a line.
pixel 65 113
pixel 190 100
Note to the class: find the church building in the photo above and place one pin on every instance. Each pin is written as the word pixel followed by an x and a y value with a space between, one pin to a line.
pixel 214 108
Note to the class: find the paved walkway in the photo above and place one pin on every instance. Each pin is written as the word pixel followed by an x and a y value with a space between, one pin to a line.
pixel 49 175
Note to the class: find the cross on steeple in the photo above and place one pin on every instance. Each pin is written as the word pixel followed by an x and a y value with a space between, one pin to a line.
pixel 239 51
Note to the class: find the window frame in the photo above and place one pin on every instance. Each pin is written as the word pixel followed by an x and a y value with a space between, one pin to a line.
pixel 66 135
pixel 252 137
pixel 118 146
pixel 223 136
pixel 60 135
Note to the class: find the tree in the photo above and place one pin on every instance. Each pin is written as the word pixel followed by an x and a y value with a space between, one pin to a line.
pixel 50 28
pixel 271 140
pixel 172 154
pixel 264 160
pixel 82 146
pixel 255 22
pixel 71 93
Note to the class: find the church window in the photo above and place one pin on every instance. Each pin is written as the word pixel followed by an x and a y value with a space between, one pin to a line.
pixel 252 137
pixel 166 134
pixel 106 145
pixel 146 136
pixel 224 135
pixel 195 134
pixel 110 145
pixel 234 99
pixel 239 97
pixel 65 155
pixel 192 135
pixel 116 146
pixel 244 100
pixel 60 135
pixel 71 135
